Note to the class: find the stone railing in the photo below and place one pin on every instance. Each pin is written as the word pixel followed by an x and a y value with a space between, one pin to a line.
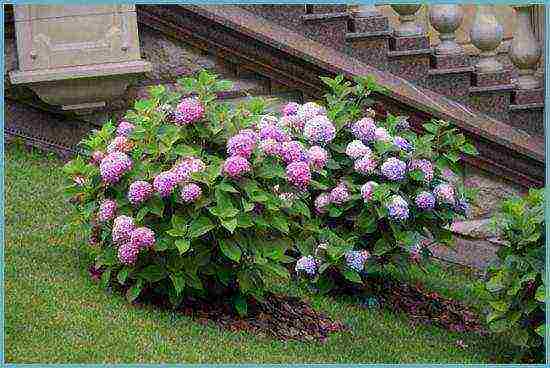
pixel 486 33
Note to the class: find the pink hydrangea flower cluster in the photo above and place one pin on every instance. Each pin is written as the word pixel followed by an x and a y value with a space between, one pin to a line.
pixel 290 108
pixel 425 201
pixel 318 157
pixel 186 167
pixel 270 147
pixel 321 202
pixel 165 182
pixel 367 190
pixel 241 144
pixel 128 253
pixel 382 135
pixel 310 110
pixel 340 194
pixel 298 174
pixel 188 111
pixel 121 144
pixel 236 166
pixel 273 131
pixel 190 192
pixel 125 128
pixel 113 166
pixel 107 210
pixel 366 165
pixel 357 149
pixel 122 228
pixel 319 130
pixel 364 130
pixel 96 157
pixel 139 191
pixel 142 237
pixel 425 166
pixel 293 151
pixel 444 194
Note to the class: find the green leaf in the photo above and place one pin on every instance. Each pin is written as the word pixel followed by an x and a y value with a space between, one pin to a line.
pixel 539 296
pixel 199 227
pixel 280 223
pixel 183 245
pixel 469 149
pixel 430 127
pixel 541 330
pixel 226 187
pixel 152 273
pixel 178 281
pixel 134 291
pixel 230 249
pixel 277 270
pixel 105 278
pixel 122 275
pixel 142 213
pixel 352 276
pixel 230 224
pixel 240 305
pixel 156 206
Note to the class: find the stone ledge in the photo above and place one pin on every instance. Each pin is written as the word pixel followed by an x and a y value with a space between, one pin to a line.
pixel 466 69
pixel 325 17
pixel 497 88
pixel 532 106
pixel 396 54
pixel 358 36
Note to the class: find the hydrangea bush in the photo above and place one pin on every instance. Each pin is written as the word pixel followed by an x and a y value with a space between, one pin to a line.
pixel 386 192
pixel 516 286
pixel 190 196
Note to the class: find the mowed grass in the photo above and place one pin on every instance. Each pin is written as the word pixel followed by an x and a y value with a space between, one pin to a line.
pixel 55 313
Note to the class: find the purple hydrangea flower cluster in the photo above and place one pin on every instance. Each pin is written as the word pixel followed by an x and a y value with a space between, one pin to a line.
pixel 298 174
pixel 356 259
pixel 120 144
pixel 444 194
pixel 113 166
pixel 236 166
pixel 96 158
pixel 402 144
pixel 190 192
pixel 381 134
pixel 306 264
pixel 394 169
pixel 107 210
pixel 139 191
pixel 241 144
pixel 357 149
pixel 425 201
pixel 310 110
pixel 128 253
pixel 367 190
pixel 273 131
pixel 364 130
pixel 321 202
pixel 125 128
pixel 318 157
pixel 290 108
pixel 122 229
pixel 142 237
pixel 270 147
pixel 425 166
pixel 188 111
pixel 319 129
pixel 398 208
pixel 340 194
pixel 293 151
pixel 293 122
pixel 165 182
pixel 365 165
pixel 186 167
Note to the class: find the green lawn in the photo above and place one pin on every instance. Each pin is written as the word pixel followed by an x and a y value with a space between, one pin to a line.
pixel 55 313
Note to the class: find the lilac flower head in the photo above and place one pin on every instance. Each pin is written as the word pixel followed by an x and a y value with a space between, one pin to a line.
pixel 340 194
pixel 122 228
pixel 188 111
pixel 367 190
pixel 165 182
pixel 241 145
pixel 425 201
pixel 381 134
pixel 298 174
pixel 365 165
pixel 290 108
pixel 444 194
pixel 398 208
pixel 318 157
pixel 96 158
pixel 113 166
pixel 128 253
pixel 307 265
pixel 364 130
pixel 270 147
pixel 125 128
pixel 310 110
pixel 142 237
pixel 402 143
pixel 293 151
pixel 357 149
pixel 321 202
pixel 139 191
pixel 319 130
pixel 425 166
pixel 394 169
pixel 190 192
pixel 107 210
pixel 121 144
pixel 356 259
pixel 236 166
pixel 273 131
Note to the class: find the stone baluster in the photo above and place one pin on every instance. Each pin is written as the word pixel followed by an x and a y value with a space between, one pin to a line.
pixel 407 20
pixel 446 19
pixel 486 34
pixel 524 50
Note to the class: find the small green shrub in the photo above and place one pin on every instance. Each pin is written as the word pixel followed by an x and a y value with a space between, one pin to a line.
pixel 516 285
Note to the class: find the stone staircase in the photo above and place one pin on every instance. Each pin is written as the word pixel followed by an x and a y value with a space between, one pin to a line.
pixel 370 40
